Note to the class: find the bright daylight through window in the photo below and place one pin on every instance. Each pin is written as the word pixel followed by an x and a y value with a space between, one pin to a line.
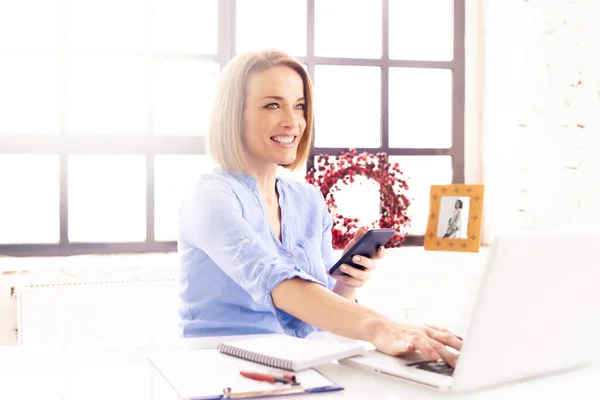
pixel 102 130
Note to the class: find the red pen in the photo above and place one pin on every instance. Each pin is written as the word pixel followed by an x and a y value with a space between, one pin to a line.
pixel 257 376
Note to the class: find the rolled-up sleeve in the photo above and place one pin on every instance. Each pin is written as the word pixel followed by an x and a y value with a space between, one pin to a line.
pixel 327 253
pixel 211 219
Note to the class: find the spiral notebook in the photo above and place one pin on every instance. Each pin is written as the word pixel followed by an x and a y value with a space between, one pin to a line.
pixel 290 353
pixel 206 374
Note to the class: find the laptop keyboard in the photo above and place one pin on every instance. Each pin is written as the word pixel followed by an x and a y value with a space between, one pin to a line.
pixel 439 367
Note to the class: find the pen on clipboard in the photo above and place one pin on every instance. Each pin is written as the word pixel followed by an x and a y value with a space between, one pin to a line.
pixel 259 376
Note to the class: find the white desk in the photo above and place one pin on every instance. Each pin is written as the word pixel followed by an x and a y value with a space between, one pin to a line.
pixel 122 372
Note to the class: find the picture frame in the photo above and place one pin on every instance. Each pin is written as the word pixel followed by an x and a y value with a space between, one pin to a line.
pixel 454 221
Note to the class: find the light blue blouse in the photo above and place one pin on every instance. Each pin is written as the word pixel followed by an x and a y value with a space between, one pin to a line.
pixel 230 259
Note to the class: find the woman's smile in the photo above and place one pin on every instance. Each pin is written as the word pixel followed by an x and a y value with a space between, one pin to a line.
pixel 285 141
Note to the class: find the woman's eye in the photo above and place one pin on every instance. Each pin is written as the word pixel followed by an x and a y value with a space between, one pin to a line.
pixel 301 106
pixel 272 106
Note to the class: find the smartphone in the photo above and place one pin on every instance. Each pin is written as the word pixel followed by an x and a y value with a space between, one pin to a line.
pixel 366 246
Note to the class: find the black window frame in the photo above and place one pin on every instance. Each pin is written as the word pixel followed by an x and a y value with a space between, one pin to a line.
pixel 150 145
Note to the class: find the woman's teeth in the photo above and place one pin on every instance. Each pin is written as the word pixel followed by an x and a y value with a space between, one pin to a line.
pixel 283 139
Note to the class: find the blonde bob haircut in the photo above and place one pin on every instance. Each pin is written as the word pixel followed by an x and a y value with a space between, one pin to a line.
pixel 224 140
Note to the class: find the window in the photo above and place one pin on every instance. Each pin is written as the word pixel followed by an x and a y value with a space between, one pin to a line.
pixel 102 129
pixel 399 65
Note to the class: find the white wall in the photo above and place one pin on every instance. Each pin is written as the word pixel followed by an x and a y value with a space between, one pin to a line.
pixel 542 114
pixel 560 113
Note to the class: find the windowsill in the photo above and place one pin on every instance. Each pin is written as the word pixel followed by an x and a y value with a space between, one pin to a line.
pixel 410 258
pixel 85 267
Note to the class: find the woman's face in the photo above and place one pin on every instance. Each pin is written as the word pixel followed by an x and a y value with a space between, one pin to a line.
pixel 457 204
pixel 274 118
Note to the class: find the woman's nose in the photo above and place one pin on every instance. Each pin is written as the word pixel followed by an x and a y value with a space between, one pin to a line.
pixel 289 119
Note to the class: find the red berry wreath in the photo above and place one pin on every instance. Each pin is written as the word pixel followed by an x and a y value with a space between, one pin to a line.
pixel 327 175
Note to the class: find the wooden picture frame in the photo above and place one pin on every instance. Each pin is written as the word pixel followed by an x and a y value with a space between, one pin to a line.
pixel 454 222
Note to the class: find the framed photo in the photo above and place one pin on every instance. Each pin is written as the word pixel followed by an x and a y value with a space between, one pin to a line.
pixel 454 222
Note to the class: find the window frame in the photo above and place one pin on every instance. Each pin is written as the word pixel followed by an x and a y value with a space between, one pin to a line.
pixel 150 145
pixel 456 65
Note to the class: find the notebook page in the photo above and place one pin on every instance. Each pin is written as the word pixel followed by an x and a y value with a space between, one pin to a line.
pixel 204 373
pixel 295 349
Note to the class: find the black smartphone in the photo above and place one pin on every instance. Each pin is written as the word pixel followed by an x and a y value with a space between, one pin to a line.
pixel 366 246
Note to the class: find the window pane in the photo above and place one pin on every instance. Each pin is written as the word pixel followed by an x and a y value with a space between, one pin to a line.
pixel 186 26
pixel 271 23
pixel 107 24
pixel 421 30
pixel 29 86
pixel 173 176
pixel 107 96
pixel 348 28
pixel 29 24
pixel 183 97
pixel 107 198
pixel 29 204
pixel 420 112
pixel 347 106
pixel 420 173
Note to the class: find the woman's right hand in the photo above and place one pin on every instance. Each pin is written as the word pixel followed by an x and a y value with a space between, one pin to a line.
pixel 398 339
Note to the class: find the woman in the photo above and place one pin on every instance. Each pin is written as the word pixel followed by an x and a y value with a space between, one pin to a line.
pixel 455 221
pixel 254 247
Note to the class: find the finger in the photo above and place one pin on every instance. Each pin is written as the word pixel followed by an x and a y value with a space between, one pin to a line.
pixel 380 253
pixel 422 344
pixel 359 232
pixel 401 347
pixel 444 336
pixel 349 280
pixel 357 273
pixel 439 328
pixel 445 354
pixel 366 262
pixel 357 235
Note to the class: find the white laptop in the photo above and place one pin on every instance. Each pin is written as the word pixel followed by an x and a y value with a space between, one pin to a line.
pixel 537 312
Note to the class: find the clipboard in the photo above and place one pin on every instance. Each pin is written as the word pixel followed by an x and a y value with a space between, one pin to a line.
pixel 228 393
pixel 211 375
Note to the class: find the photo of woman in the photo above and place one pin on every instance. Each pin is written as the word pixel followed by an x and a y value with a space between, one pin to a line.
pixel 453 220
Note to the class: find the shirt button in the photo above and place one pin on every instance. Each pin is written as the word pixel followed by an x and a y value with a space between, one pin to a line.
pixel 246 240
pixel 289 254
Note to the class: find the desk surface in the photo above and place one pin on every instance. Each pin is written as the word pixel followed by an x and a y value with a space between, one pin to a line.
pixel 122 372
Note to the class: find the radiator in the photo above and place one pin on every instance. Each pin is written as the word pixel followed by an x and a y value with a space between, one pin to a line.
pixel 108 311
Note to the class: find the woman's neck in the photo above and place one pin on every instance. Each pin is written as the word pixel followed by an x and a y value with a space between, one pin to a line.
pixel 265 180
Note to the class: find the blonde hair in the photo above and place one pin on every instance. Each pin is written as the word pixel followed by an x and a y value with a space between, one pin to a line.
pixel 224 140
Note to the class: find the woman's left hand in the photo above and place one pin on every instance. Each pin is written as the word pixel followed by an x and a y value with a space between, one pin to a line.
pixel 358 277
